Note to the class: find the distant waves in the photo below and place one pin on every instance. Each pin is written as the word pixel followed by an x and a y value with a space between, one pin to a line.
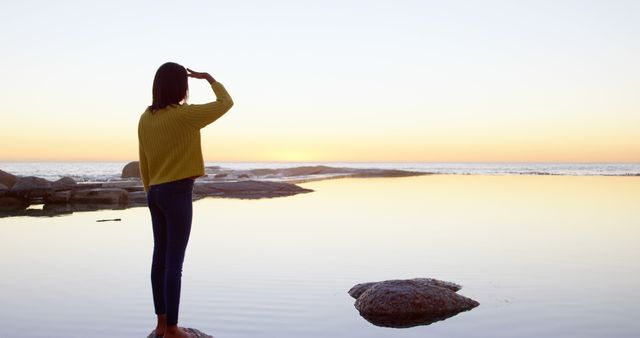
pixel 296 171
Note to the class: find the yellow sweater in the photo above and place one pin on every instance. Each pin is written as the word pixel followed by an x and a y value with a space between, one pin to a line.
pixel 169 138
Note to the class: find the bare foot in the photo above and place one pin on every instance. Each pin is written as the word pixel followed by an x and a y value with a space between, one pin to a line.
pixel 177 332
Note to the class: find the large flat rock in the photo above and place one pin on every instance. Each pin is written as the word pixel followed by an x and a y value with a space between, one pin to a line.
pixel 246 189
pixel 304 173
pixel 195 332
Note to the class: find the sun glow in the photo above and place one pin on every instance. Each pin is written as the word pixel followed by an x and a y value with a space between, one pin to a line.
pixel 505 90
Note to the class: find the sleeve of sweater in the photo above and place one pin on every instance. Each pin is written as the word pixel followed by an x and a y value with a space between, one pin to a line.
pixel 200 115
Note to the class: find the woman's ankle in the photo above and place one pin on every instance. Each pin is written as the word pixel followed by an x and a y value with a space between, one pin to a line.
pixel 161 324
pixel 172 328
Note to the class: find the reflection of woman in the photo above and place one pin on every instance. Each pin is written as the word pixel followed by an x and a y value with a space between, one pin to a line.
pixel 170 161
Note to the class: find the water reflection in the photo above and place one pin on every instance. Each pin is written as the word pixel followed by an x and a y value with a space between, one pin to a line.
pixel 407 321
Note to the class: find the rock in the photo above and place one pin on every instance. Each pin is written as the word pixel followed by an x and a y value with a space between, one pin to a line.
pixel 320 171
pixel 59 197
pixel 10 203
pixel 55 209
pixel 264 172
pixel 131 170
pixel 48 210
pixel 406 303
pixel 386 173
pixel 7 179
pixel 359 289
pixel 29 183
pixel 247 189
pixel 64 183
pixel 126 185
pixel 194 332
pixel 227 183
pixel 32 187
pixel 137 198
pixel 100 196
pixel 82 186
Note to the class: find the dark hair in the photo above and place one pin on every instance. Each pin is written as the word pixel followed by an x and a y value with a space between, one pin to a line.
pixel 170 86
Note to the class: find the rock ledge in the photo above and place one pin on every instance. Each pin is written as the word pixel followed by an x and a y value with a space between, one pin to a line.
pixel 194 332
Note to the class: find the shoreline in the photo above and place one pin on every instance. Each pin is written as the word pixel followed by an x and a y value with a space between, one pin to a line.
pixel 66 196
pixel 18 194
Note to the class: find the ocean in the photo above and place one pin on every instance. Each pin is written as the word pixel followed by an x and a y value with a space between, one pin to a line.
pixel 109 171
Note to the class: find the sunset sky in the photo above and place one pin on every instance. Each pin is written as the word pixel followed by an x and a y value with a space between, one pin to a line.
pixel 330 80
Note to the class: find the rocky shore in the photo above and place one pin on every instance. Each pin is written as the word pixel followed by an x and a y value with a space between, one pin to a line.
pixel 35 196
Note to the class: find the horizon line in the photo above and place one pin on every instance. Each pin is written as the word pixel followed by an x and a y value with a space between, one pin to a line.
pixel 331 161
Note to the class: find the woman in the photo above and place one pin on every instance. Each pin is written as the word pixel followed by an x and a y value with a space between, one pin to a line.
pixel 170 161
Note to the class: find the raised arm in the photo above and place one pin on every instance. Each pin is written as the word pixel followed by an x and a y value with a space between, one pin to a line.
pixel 200 115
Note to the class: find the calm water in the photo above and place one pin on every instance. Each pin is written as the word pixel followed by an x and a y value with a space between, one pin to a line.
pixel 553 256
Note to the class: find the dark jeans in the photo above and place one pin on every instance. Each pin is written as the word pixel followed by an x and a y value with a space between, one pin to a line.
pixel 171 213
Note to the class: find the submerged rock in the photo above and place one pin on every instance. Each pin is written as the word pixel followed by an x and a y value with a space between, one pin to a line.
pixel 407 303
pixel 131 170
pixel 194 332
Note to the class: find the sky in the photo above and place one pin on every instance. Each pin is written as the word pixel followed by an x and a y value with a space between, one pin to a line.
pixel 348 80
